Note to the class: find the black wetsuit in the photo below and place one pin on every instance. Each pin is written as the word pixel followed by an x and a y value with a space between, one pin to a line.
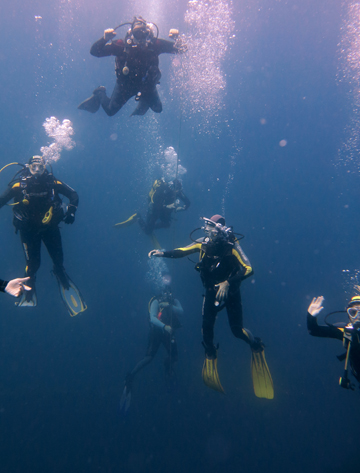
pixel 36 199
pixel 144 74
pixel 3 285
pixel 159 215
pixel 159 317
pixel 220 261
pixel 342 334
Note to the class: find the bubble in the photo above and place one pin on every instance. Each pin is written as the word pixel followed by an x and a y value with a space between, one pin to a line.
pixel 351 282
pixel 61 134
pixel 171 168
pixel 282 143
pixel 114 137
pixel 349 73
pixel 158 273
pixel 166 280
pixel 201 77
pixel 263 121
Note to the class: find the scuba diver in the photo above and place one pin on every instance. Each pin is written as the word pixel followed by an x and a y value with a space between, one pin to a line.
pixel 164 311
pixel 164 199
pixel 222 266
pixel 38 210
pixel 348 333
pixel 15 287
pixel 136 67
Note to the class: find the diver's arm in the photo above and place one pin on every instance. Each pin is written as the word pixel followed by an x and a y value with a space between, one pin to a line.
pixel 102 48
pixel 67 191
pixel 181 252
pixel 178 252
pixel 3 285
pixel 172 47
pixel 323 331
pixel 9 194
pixel 245 270
pixel 165 46
pixel 154 310
pixel 177 308
pixel 185 200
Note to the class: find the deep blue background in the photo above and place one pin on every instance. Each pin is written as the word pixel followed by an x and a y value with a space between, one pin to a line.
pixel 61 378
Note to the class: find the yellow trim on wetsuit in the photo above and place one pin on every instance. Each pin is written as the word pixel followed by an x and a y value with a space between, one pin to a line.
pixel 196 246
pixel 17 184
pixel 246 266
pixel 58 182
pixel 154 188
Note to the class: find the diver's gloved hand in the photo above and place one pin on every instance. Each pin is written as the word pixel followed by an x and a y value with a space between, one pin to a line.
pixel 316 306
pixel 223 290
pixel 155 253
pixel 168 329
pixel 162 305
pixel 16 287
pixel 180 208
pixel 109 34
pixel 171 206
pixel 70 214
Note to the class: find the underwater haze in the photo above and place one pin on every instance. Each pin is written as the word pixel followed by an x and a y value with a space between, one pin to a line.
pixel 263 112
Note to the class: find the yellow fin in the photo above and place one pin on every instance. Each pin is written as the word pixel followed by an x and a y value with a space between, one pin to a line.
pixel 261 377
pixel 210 375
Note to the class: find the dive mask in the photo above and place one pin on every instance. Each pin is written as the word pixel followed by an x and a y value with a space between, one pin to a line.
pixel 215 231
pixel 354 315
pixel 37 166
pixel 37 169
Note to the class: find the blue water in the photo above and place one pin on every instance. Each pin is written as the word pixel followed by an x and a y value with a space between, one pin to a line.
pixel 61 378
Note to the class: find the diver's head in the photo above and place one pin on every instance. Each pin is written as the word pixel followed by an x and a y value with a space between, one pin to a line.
pixel 166 294
pixel 141 32
pixel 177 185
pixel 353 310
pixel 37 166
pixel 218 219
pixel 214 228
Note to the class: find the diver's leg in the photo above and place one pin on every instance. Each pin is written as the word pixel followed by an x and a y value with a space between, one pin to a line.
pixel 118 99
pixel 31 243
pixel 209 311
pixel 163 219
pixel 234 311
pixel 149 224
pixel 152 348
pixel 170 345
pixel 154 101
pixel 52 240
pixel 142 107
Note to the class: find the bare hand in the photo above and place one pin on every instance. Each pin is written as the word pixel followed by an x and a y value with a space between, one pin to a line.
pixel 168 329
pixel 155 253
pixel 223 290
pixel 109 34
pixel 179 209
pixel 173 33
pixel 16 287
pixel 316 306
